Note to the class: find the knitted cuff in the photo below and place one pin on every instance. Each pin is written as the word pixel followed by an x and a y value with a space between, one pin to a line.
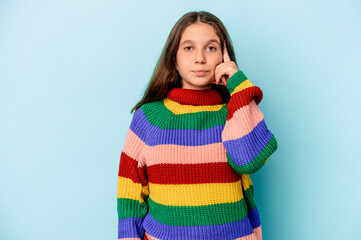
pixel 245 90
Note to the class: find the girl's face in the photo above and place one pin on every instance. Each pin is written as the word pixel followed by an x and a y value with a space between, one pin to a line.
pixel 199 49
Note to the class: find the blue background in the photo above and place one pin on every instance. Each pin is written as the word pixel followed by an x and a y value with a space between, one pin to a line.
pixel 72 70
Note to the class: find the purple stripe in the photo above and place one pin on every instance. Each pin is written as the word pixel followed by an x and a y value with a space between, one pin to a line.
pixel 185 137
pixel 130 228
pixel 254 218
pixel 140 125
pixel 243 150
pixel 220 231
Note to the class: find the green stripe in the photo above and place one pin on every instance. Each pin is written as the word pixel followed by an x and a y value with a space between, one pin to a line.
pixel 131 208
pixel 258 161
pixel 198 215
pixel 235 81
pixel 249 198
pixel 156 112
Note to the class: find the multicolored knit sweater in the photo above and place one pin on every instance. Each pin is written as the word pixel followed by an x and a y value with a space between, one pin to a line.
pixel 185 165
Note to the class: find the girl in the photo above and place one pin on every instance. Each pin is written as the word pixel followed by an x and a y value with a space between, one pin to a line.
pixel 194 139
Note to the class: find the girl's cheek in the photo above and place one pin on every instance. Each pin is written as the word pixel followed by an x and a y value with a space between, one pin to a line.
pixel 219 61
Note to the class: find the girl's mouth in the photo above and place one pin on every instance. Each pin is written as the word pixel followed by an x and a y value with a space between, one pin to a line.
pixel 200 73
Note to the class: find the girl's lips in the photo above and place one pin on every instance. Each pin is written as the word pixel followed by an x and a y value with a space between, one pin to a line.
pixel 200 73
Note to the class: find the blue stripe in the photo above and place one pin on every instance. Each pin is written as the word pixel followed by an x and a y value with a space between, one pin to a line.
pixel 184 137
pixel 187 137
pixel 140 125
pixel 243 150
pixel 254 218
pixel 130 228
pixel 232 230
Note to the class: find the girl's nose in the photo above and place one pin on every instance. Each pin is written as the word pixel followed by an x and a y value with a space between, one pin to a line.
pixel 200 56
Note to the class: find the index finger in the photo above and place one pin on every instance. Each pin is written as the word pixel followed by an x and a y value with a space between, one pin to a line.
pixel 226 57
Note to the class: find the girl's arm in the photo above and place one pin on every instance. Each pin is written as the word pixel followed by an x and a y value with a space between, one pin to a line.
pixel 248 141
pixel 132 181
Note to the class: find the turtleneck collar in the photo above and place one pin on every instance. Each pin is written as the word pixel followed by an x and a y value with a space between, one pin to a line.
pixel 195 97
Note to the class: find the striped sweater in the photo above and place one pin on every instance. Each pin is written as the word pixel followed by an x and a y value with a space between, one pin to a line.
pixel 184 168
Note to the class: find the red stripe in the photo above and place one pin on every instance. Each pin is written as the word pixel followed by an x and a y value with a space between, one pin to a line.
pixel 128 167
pixel 143 175
pixel 195 97
pixel 192 173
pixel 243 98
pixel 145 236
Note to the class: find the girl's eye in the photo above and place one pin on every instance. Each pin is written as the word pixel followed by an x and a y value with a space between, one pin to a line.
pixel 213 48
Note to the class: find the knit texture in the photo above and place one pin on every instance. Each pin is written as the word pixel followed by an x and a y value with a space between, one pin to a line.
pixel 184 168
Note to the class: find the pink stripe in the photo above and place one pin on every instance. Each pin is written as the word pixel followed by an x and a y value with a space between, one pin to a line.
pixel 249 237
pixel 242 122
pixel 258 233
pixel 176 154
pixel 133 145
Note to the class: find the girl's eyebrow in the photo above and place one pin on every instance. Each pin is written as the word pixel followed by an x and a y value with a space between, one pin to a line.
pixel 190 41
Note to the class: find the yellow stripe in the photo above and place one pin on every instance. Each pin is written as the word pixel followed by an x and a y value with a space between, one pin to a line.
pixel 246 181
pixel 128 189
pixel 245 84
pixel 196 194
pixel 177 108
pixel 266 160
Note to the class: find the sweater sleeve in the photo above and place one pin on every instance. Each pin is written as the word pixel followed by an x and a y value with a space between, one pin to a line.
pixel 133 188
pixel 248 141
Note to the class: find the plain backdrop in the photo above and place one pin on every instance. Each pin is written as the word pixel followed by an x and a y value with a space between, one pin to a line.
pixel 71 71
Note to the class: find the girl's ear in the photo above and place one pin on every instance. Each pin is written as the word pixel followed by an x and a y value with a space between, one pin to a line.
pixel 176 66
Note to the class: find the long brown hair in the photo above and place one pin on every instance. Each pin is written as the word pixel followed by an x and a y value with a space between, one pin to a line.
pixel 165 76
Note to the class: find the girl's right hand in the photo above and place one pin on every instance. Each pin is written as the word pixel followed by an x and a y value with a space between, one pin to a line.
pixel 226 68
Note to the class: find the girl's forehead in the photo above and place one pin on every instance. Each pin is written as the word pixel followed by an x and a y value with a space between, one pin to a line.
pixel 204 40
pixel 199 33
pixel 195 28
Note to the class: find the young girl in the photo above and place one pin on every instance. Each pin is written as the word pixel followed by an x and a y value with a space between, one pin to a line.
pixel 194 139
